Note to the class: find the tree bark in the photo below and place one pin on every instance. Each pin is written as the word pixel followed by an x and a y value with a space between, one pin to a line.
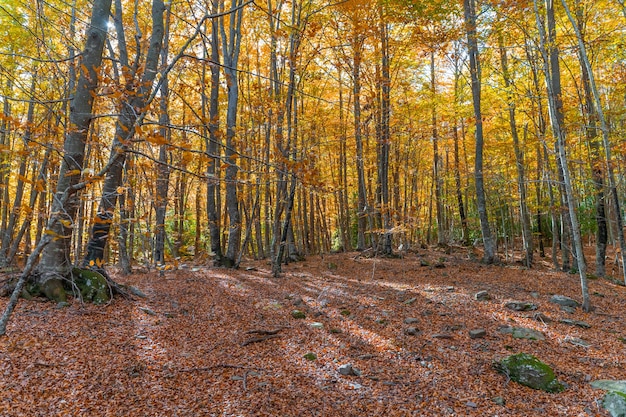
pixel 138 90
pixel 55 260
pixel 549 70
pixel 469 7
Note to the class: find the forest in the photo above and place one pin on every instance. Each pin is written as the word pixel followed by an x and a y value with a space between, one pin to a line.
pixel 166 138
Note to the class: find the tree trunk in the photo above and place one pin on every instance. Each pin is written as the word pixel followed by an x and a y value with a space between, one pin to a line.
pixel 605 135
pixel 231 46
pixel 527 236
pixel 549 71
pixel 469 7
pixel 55 260
pixel 138 91
pixel 162 168
pixel 385 139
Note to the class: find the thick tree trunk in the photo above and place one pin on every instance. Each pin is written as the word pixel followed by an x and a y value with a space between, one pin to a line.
pixel 231 46
pixel 55 260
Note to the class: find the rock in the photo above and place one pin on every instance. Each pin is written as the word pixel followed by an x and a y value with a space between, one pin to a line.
pixel 610 385
pixel 297 314
pixel 577 323
pixel 564 301
pixel 577 341
pixel 527 370
pixel 471 404
pixel 93 285
pixel 615 404
pixel 568 309
pixel 498 400
pixel 297 301
pixel 366 356
pixel 411 331
pixel 316 325
pixel 520 306
pixel 349 370
pixel 147 311
pixel 477 333
pixel 542 318
pixel 441 336
pixel 482 296
pixel 345 313
pixel 410 320
pixel 136 291
pixel 410 301
pixel 522 333
pixel 615 400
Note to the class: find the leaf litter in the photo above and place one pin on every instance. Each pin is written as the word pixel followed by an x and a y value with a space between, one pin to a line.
pixel 217 342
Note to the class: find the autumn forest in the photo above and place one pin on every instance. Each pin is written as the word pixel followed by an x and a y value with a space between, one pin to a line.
pixel 172 136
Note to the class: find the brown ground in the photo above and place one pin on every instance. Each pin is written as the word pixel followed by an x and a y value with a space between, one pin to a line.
pixel 188 350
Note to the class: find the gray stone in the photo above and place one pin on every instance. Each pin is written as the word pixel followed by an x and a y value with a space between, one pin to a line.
pixel 477 333
pixel 520 306
pixel 442 336
pixel 527 370
pixel 542 318
pixel 577 323
pixel 522 333
pixel 498 400
pixel 577 341
pixel 568 309
pixel 482 296
pixel 411 331
pixel 349 370
pixel 564 301
pixel 610 385
pixel 615 404
pixel 411 320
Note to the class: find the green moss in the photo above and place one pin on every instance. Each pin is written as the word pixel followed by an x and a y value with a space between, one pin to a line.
pixel 531 372
pixel 310 356
pixel 93 286
pixel 297 314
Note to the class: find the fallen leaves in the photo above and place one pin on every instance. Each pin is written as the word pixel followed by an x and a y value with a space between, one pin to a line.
pixel 180 350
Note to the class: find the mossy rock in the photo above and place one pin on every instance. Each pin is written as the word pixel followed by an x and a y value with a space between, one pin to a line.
pixel 527 370
pixel 297 314
pixel 93 285
pixel 53 290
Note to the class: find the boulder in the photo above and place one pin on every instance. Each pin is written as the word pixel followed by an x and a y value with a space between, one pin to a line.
pixel 564 301
pixel 527 370
pixel 614 401
pixel 522 333
pixel 520 306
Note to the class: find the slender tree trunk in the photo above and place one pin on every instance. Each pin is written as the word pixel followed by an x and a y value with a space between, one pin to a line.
pixel 469 7
pixel 437 161
pixel 14 215
pixel 362 209
pixel 124 131
pixel 385 140
pixel 162 168
pixel 549 72
pixel 605 135
pixel 527 236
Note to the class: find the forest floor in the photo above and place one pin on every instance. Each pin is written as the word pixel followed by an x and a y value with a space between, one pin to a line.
pixel 217 342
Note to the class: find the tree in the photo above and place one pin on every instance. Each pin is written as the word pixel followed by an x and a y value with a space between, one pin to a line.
pixel 55 263
pixel 469 7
